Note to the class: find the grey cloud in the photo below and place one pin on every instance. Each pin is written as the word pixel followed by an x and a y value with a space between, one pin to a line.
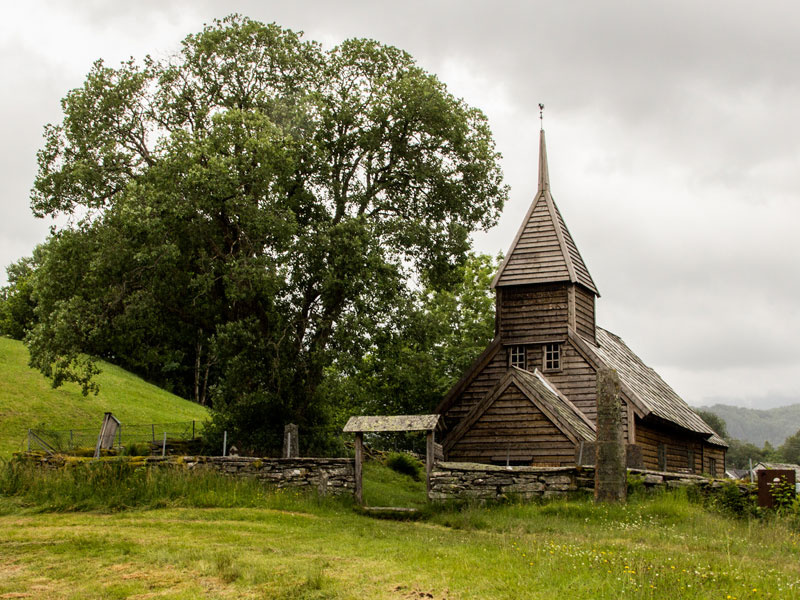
pixel 673 133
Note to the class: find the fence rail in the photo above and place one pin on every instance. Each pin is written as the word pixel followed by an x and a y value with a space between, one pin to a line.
pixel 62 440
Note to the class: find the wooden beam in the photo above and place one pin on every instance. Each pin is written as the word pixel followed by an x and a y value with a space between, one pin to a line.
pixel 359 493
pixel 571 306
pixel 631 423
pixel 428 462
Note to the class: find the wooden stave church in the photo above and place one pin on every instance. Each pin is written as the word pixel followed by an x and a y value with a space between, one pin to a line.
pixel 530 397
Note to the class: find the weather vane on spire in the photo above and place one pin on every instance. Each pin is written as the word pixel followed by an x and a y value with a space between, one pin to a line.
pixel 541 115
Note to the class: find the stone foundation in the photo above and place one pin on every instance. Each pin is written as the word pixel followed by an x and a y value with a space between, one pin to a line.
pixel 325 475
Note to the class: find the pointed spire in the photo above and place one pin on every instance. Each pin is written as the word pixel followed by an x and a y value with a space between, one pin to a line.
pixel 544 173
pixel 543 250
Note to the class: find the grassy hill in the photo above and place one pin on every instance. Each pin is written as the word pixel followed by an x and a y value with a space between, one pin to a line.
pixel 757 426
pixel 28 400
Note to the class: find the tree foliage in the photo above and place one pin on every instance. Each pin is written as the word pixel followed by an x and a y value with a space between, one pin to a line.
pixel 16 299
pixel 409 367
pixel 741 453
pixel 250 210
pixel 715 422
pixel 790 449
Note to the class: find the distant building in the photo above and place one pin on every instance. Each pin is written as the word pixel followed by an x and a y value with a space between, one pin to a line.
pixel 530 397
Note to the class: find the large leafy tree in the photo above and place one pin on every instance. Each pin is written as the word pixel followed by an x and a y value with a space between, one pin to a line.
pixel 410 366
pixel 248 210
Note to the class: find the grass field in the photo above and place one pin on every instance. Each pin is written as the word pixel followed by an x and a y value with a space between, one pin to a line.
pixel 265 544
pixel 28 400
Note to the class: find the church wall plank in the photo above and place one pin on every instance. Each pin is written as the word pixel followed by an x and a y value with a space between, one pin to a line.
pixel 585 312
pixel 513 428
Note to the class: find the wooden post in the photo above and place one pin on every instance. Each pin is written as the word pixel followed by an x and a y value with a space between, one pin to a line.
pixel 359 457
pixel 610 474
pixel 428 462
pixel 291 441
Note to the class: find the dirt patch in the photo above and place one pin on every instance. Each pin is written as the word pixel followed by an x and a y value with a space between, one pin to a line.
pixel 407 593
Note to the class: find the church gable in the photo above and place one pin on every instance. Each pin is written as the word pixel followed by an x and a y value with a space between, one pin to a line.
pixel 478 381
pixel 512 428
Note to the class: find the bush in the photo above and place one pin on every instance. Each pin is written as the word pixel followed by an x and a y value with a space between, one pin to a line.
pixel 729 499
pixel 406 464
pixel 139 449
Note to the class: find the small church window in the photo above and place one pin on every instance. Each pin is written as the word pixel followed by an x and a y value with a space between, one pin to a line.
pixel 517 356
pixel 552 357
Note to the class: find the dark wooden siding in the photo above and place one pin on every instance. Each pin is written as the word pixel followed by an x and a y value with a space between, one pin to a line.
pixel 718 455
pixel 514 428
pixel 477 389
pixel 534 312
pixel 577 380
pixel 584 313
pixel 679 448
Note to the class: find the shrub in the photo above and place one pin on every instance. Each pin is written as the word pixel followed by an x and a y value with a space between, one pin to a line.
pixel 141 449
pixel 405 464
pixel 729 499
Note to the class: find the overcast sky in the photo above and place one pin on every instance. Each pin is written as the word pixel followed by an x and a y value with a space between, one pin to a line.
pixel 673 134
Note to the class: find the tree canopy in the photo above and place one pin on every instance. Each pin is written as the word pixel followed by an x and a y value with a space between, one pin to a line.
pixel 249 210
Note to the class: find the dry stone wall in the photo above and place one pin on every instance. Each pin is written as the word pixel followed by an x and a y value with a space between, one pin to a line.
pixel 325 475
pixel 462 481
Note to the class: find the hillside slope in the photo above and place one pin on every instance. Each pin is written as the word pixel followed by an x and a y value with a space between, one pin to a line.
pixel 757 426
pixel 28 400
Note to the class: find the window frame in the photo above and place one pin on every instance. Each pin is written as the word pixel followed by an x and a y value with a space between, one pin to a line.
pixel 518 350
pixel 551 357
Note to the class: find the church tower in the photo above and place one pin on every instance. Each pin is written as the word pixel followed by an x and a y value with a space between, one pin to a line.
pixel 543 287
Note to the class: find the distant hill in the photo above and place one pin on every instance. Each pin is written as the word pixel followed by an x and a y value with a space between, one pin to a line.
pixel 757 426
pixel 28 400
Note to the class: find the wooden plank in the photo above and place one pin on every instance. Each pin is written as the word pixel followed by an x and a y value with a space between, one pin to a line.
pixel 429 454
pixel 476 370
pixel 571 312
pixel 438 452
pixel 631 424
pixel 359 491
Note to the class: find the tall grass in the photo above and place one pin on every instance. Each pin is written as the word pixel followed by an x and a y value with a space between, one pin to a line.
pixel 111 486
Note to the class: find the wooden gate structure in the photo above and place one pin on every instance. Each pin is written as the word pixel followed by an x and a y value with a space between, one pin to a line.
pixel 379 424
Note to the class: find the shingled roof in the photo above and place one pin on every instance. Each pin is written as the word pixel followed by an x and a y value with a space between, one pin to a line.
pixel 543 250
pixel 565 411
pixel 654 396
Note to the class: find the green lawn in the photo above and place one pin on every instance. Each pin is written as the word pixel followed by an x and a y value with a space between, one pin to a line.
pixel 28 400
pixel 284 545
